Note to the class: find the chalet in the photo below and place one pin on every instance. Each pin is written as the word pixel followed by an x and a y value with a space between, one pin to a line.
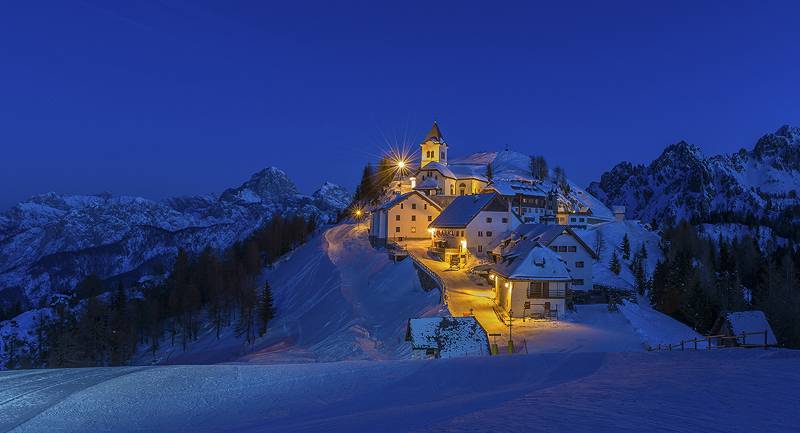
pixel 748 325
pixel 531 280
pixel 472 223
pixel 561 239
pixel 530 202
pixel 445 337
pixel 406 216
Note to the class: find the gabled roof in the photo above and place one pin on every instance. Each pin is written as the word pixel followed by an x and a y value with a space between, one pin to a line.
pixel 512 188
pixel 458 171
pixel 400 198
pixel 751 321
pixel 434 134
pixel 465 208
pixel 547 233
pixel 532 261
pixel 451 336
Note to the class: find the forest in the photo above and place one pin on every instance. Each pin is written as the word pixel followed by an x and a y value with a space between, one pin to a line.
pixel 96 325
pixel 701 278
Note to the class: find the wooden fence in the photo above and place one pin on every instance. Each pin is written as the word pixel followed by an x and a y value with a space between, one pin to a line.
pixel 718 342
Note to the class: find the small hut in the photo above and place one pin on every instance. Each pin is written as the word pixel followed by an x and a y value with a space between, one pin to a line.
pixel 749 326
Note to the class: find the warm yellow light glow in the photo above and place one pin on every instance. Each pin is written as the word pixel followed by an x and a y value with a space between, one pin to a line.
pixel 464 244
pixel 491 277
pixel 505 285
pixel 401 164
pixel 432 231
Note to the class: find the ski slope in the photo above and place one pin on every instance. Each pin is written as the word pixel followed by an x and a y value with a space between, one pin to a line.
pixel 716 391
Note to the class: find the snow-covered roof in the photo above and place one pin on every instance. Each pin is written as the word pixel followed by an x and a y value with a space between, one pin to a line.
pixel 530 260
pixel 463 210
pixel 428 183
pixel 452 336
pixel 514 187
pixel 401 197
pixel 547 233
pixel 751 321
pixel 458 171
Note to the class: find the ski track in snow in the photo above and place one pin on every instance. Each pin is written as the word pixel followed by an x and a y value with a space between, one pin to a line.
pixel 709 391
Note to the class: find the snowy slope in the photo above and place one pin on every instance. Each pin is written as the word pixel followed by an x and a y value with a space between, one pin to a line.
pixel 716 391
pixel 49 242
pixel 683 184
pixel 337 299
pixel 608 237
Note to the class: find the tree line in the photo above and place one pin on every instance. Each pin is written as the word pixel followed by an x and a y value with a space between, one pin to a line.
pixel 215 289
pixel 701 278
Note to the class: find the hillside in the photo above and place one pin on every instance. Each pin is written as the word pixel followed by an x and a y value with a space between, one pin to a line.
pixel 682 183
pixel 50 242
pixel 716 391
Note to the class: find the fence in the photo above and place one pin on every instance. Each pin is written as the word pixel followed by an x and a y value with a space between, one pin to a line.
pixel 717 342
pixel 434 276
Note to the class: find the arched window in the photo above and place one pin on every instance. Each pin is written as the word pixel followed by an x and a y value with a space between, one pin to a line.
pixel 462 189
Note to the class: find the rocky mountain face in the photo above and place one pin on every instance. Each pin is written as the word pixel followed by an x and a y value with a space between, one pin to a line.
pixel 50 242
pixel 684 184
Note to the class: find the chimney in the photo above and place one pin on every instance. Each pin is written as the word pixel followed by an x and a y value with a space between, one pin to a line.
pixel 619 213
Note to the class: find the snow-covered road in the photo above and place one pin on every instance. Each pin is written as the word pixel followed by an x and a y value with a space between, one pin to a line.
pixel 718 391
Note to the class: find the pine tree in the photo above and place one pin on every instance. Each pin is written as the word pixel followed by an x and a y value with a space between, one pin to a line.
pixel 266 310
pixel 615 265
pixel 626 247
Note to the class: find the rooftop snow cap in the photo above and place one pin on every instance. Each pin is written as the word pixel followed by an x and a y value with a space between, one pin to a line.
pixel 532 261
pixel 434 134
pixel 465 208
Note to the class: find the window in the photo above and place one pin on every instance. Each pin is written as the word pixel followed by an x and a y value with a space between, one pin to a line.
pixel 578 264
pixel 430 218
pixel 539 289
pixel 397 217
pixel 397 229
pixel 425 206
pixel 401 205
pixel 577 282
pixel 581 219
pixel 488 219
pixel 413 205
pixel 480 234
pixel 452 190
pixel 413 217
pixel 554 248
pixel 505 220
pixel 562 248
pixel 572 248
pixel 413 229
pixel 442 155
pixel 488 234
pixel 480 248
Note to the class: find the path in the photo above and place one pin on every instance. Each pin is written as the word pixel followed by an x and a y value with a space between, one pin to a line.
pixel 592 328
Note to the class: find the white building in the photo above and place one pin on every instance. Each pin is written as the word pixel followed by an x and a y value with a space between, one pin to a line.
pixel 406 216
pixel 577 255
pixel 437 177
pixel 476 223
pixel 531 280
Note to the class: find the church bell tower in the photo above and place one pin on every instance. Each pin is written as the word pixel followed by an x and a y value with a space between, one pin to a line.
pixel 434 148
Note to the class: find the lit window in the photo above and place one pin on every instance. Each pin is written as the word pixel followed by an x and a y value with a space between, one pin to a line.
pixel 413 229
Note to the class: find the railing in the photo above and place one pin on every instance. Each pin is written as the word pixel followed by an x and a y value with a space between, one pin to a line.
pixel 434 276
pixel 722 342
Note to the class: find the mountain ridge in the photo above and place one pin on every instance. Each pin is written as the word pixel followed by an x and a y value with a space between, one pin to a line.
pixel 50 241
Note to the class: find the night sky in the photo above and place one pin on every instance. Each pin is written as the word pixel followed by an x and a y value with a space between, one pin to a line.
pixel 182 97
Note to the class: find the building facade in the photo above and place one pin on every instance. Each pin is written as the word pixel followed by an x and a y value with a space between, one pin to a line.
pixel 407 216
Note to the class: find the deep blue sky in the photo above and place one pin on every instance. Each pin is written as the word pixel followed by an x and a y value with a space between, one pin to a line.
pixel 181 97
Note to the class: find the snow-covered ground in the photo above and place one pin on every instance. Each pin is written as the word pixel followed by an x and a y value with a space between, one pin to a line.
pixel 716 391
pixel 337 299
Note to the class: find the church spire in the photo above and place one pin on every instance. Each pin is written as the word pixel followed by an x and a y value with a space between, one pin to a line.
pixel 434 133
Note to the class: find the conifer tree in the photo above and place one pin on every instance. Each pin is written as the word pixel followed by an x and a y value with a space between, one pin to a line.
pixel 615 265
pixel 626 247
pixel 266 310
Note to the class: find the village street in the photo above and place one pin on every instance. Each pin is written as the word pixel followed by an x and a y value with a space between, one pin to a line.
pixel 592 328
